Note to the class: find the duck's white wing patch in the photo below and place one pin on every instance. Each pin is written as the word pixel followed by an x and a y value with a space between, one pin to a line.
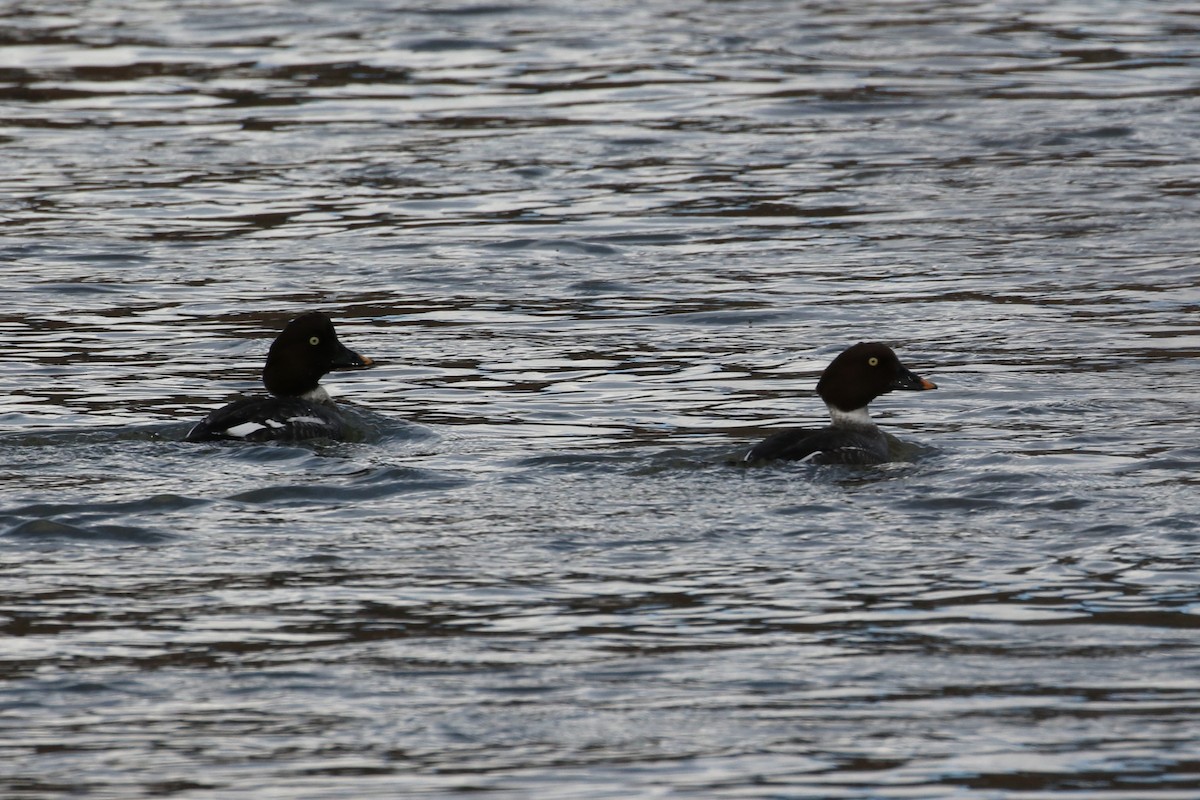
pixel 244 429
pixel 308 421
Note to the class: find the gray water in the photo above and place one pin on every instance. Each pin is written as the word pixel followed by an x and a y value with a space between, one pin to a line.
pixel 596 249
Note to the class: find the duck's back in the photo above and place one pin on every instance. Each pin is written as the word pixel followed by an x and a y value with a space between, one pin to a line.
pixel 262 419
pixel 829 445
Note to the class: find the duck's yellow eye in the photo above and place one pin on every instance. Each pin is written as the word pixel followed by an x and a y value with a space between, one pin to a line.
pixel 314 340
pixel 873 361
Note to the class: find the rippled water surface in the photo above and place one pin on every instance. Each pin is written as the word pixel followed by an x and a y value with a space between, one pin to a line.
pixel 596 249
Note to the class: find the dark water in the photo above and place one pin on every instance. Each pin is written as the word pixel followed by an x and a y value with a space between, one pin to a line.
pixel 596 248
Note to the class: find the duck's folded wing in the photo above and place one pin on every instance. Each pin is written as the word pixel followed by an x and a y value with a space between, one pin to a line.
pixel 260 419
pixel 829 445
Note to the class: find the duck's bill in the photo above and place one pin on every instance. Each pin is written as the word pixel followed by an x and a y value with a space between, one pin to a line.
pixel 912 382
pixel 348 359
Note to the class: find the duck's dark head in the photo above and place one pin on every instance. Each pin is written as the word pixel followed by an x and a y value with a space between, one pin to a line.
pixel 863 372
pixel 306 350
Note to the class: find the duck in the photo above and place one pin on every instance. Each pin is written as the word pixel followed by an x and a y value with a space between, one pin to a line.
pixel 296 406
pixel 858 375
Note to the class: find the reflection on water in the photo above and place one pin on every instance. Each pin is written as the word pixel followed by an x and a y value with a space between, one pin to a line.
pixel 597 250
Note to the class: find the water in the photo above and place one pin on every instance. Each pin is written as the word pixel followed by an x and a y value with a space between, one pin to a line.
pixel 595 250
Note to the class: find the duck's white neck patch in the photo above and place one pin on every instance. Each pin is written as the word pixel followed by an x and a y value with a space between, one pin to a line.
pixel 858 418
pixel 317 395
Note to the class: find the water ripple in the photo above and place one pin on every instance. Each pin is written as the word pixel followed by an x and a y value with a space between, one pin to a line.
pixel 595 251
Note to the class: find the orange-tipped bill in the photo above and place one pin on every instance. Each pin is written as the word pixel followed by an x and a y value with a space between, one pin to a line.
pixel 348 359
pixel 910 381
